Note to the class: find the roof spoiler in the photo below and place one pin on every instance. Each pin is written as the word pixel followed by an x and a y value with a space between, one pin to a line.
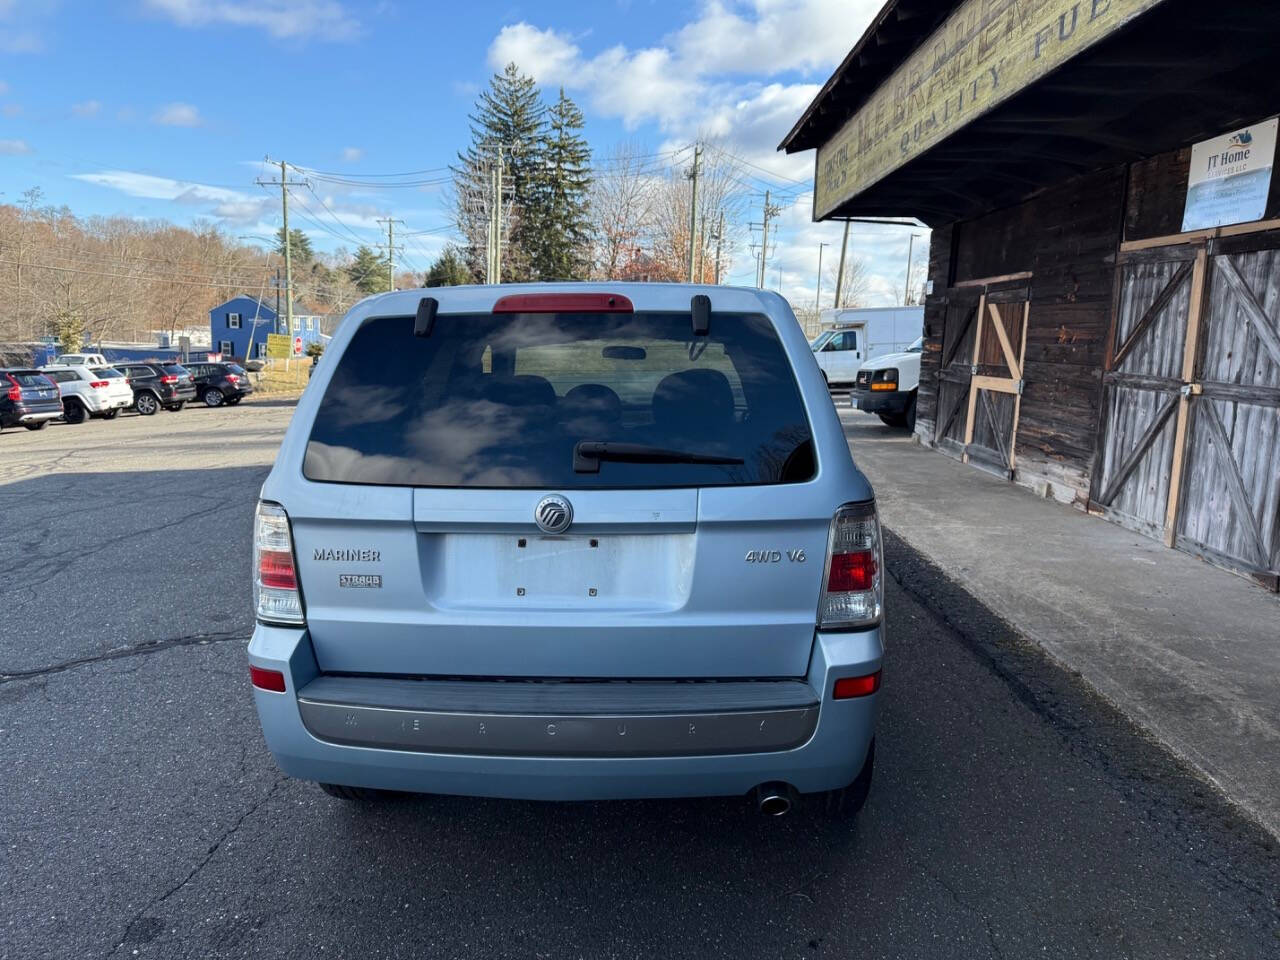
pixel 700 308
pixel 425 318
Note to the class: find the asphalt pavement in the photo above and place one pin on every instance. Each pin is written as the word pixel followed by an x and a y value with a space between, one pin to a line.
pixel 1014 813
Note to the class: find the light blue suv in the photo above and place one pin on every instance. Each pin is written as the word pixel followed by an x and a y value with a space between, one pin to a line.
pixel 566 542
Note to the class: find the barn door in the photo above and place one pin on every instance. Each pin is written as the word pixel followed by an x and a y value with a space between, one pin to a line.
pixel 956 368
pixel 995 384
pixel 1230 484
pixel 1143 385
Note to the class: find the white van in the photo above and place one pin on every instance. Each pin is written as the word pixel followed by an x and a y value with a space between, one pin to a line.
pixel 859 334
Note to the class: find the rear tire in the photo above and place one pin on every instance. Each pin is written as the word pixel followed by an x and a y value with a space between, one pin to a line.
pixel 174 408
pixel 213 397
pixel 353 794
pixel 73 411
pixel 146 404
pixel 845 803
pixel 37 426
pixel 110 414
pixel 909 417
pixel 232 401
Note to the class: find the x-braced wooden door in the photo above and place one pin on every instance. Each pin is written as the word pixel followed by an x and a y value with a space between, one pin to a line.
pixel 1227 484
pixel 995 384
pixel 1149 362
pixel 956 368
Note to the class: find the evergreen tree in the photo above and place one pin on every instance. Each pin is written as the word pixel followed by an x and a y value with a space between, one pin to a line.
pixel 508 116
pixel 559 227
pixel 369 272
pixel 299 246
pixel 448 270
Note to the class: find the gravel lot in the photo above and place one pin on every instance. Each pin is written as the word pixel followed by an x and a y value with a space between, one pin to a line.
pixel 1013 815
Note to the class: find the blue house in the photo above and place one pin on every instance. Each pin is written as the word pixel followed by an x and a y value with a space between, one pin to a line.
pixel 239 327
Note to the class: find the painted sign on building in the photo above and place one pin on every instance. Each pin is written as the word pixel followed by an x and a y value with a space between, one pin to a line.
pixel 984 53
pixel 1230 177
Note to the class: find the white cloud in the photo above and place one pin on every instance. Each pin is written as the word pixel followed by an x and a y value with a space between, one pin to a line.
pixel 86 108
pixel 162 188
pixel 12 109
pixel 178 115
pixel 283 19
pixel 352 154
pixel 14 148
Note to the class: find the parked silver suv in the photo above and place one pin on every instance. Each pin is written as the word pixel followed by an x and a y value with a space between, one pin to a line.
pixel 566 542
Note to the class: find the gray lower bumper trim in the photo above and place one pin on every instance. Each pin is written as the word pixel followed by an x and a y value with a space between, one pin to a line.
pixel 545 735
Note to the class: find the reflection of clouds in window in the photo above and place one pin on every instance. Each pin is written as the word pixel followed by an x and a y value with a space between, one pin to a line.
pixel 344 465
pixel 460 429
pixel 350 405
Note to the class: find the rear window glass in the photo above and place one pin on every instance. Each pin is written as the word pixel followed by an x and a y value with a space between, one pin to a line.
pixel 235 368
pixel 176 369
pixel 107 373
pixel 502 401
pixel 62 376
pixel 27 378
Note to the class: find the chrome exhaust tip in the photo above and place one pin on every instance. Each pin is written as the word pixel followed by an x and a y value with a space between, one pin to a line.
pixel 774 799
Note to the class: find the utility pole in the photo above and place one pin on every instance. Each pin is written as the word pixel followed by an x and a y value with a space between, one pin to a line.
pixel 719 241
pixel 693 203
pixel 817 294
pixel 284 183
pixel 844 249
pixel 702 243
pixel 769 211
pixel 391 250
pixel 906 292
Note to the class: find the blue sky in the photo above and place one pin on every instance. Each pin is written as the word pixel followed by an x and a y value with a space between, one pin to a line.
pixel 165 108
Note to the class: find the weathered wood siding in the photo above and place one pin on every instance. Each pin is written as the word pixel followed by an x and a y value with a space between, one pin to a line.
pixel 1066 238
pixel 935 312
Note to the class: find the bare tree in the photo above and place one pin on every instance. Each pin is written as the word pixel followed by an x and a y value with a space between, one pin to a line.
pixel 856 283
pixel 622 199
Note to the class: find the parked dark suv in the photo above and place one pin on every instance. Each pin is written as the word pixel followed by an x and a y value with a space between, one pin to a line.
pixel 219 383
pixel 157 385
pixel 29 398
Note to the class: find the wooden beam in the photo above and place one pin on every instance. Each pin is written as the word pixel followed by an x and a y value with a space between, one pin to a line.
pixel 1138 451
pixel 987 281
pixel 973 391
pixel 1235 485
pixel 1017 400
pixel 1254 313
pixel 998 384
pixel 1162 300
pixel 1015 368
pixel 1173 506
pixel 1168 240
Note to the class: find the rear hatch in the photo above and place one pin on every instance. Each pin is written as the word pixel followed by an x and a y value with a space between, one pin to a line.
pixel 688 545
pixel 117 389
pixel 35 391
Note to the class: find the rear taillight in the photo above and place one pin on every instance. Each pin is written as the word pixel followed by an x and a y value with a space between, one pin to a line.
pixel 168 378
pixel 232 378
pixel 853 585
pixel 276 597
pixel 15 392
pixel 99 384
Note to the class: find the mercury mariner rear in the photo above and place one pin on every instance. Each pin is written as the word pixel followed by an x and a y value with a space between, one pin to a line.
pixel 569 542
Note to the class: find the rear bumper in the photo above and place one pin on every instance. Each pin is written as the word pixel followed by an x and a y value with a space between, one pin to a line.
pixel 33 412
pixel 817 743
pixel 170 394
pixel 100 404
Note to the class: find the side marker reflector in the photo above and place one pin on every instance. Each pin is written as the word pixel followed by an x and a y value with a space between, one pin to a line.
pixel 272 680
pixel 849 687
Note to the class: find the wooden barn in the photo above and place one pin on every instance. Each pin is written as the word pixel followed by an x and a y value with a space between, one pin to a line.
pixel 1102 322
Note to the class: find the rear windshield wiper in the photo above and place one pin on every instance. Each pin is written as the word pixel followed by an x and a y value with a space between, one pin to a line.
pixel 588 455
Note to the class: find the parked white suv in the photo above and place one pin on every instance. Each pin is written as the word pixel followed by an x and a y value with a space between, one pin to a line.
pixel 90 391
pixel 887 386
